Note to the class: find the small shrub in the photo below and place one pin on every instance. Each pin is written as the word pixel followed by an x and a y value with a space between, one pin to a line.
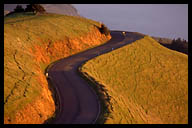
pixel 104 30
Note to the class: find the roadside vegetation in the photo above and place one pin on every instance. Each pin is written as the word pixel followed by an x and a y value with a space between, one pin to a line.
pixel 31 43
pixel 143 83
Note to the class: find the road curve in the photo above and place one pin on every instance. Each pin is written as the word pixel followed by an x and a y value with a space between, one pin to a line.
pixel 78 103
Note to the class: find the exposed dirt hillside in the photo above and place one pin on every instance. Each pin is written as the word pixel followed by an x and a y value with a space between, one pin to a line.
pixel 31 43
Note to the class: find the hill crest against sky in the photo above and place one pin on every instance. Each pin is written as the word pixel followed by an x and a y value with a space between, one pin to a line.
pixel 66 9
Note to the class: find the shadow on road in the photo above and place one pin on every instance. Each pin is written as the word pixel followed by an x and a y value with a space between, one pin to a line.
pixel 104 97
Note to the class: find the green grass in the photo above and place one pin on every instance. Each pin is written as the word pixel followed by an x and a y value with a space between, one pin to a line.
pixel 24 35
pixel 147 82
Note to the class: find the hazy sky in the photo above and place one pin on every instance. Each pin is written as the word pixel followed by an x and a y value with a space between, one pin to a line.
pixel 163 20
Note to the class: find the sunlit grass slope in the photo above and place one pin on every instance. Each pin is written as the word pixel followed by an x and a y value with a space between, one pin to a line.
pixel 147 82
pixel 31 43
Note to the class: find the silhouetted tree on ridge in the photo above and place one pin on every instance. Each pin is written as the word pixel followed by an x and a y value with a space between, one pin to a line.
pixel 35 8
pixel 19 8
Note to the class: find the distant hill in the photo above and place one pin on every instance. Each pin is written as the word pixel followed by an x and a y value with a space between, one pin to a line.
pixel 162 40
pixel 6 12
pixel 66 9
pixel 179 46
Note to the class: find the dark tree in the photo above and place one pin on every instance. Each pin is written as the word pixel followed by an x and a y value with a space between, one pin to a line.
pixel 19 8
pixel 29 8
pixel 35 8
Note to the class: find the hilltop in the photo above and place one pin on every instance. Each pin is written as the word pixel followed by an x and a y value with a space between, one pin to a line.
pixel 31 43
pixel 65 9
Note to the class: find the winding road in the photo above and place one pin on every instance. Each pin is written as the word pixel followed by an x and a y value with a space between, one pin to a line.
pixel 78 103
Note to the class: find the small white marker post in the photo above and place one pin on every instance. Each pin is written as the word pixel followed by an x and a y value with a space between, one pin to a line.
pixel 47 75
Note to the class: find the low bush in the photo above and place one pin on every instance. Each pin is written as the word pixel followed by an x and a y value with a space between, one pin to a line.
pixel 104 30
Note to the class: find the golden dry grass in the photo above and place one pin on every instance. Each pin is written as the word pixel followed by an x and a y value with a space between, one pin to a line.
pixel 147 82
pixel 31 43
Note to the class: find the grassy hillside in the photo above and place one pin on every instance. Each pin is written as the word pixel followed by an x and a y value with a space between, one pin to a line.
pixel 31 43
pixel 144 82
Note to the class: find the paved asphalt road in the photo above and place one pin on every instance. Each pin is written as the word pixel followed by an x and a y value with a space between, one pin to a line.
pixel 78 103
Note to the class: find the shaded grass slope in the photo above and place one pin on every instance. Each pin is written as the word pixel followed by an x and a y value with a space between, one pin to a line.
pixel 31 43
pixel 146 82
